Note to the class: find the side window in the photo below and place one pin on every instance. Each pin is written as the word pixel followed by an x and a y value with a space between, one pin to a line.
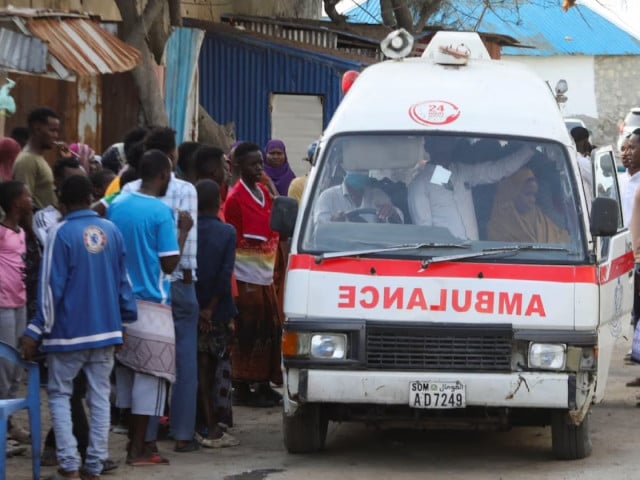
pixel 606 179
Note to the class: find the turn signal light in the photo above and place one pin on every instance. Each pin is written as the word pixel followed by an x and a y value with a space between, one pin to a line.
pixel 289 344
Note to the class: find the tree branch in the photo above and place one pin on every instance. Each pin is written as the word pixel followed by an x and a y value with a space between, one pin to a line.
pixel 175 15
pixel 386 11
pixel 332 13
pixel 402 12
pixel 429 7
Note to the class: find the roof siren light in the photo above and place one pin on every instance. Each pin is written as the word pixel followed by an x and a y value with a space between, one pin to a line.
pixel 348 78
pixel 398 44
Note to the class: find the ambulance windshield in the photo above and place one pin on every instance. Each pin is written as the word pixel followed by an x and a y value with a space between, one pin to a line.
pixel 377 191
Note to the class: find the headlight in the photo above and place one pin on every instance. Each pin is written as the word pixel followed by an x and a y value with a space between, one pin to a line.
pixel 547 356
pixel 329 345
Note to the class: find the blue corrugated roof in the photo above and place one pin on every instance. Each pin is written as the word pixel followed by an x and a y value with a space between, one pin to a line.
pixel 542 25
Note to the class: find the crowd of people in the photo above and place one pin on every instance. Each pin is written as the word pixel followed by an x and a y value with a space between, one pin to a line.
pixel 147 281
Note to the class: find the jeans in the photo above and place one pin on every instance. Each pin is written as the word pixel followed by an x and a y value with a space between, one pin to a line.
pixel 12 324
pixel 63 368
pixel 184 391
pixel 78 418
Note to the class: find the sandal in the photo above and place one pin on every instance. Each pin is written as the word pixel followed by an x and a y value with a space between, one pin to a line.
pixel 190 446
pixel 153 459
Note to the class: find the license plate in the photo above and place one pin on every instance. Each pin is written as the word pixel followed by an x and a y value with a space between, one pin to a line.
pixel 427 394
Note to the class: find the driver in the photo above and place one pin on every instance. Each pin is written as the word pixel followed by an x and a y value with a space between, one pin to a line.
pixel 356 192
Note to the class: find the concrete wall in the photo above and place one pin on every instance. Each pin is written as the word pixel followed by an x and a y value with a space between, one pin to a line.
pixel 616 92
pixel 601 89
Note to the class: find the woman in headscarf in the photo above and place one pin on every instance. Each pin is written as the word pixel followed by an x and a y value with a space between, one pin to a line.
pixel 515 217
pixel 276 165
pixel 9 150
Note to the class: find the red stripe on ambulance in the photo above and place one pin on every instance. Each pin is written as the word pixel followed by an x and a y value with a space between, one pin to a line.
pixel 411 268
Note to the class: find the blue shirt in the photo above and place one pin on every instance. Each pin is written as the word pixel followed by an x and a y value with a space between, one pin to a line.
pixel 84 295
pixel 148 228
pixel 216 256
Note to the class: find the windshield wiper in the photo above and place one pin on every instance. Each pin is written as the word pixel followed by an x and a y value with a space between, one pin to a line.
pixel 494 251
pixel 393 248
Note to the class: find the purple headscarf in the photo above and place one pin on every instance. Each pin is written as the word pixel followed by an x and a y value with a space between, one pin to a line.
pixel 282 175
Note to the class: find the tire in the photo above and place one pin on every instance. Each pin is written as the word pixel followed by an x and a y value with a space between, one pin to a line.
pixel 570 442
pixel 306 431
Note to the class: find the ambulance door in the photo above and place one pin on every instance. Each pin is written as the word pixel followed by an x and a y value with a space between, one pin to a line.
pixel 615 269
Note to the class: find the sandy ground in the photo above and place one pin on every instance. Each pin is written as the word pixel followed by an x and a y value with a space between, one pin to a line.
pixel 355 452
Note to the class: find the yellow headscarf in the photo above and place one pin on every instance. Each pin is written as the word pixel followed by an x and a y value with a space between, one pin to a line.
pixel 509 225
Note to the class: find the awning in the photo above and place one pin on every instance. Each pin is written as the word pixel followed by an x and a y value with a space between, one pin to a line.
pixel 83 47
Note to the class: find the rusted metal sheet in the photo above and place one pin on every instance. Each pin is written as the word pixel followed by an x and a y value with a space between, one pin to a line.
pixel 83 47
pixel 32 91
pixel 120 107
pixel 89 111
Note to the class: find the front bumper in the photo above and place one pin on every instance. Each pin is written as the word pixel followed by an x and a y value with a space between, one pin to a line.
pixel 516 390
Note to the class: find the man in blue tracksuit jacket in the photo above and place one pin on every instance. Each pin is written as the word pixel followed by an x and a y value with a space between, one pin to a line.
pixel 84 299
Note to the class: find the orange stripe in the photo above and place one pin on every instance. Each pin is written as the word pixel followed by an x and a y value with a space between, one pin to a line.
pixel 411 268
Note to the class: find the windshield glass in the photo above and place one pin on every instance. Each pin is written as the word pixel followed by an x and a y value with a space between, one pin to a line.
pixel 440 193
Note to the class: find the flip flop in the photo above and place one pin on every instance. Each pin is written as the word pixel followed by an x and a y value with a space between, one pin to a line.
pixel 154 459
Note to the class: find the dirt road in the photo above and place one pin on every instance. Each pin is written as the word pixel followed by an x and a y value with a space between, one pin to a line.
pixel 355 452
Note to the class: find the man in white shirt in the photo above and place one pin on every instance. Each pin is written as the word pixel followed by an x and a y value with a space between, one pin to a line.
pixel 583 146
pixel 354 193
pixel 450 205
pixel 631 159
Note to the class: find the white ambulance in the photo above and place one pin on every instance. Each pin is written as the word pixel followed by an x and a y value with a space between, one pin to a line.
pixel 448 265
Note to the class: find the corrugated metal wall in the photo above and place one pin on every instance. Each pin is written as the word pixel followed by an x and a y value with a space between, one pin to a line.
pixel 238 75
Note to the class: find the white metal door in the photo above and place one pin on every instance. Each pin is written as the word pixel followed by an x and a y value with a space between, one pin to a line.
pixel 296 120
pixel 615 269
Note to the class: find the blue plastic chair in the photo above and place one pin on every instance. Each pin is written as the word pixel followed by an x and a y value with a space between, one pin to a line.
pixel 31 402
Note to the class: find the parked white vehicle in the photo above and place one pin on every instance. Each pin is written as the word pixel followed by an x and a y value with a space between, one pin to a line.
pixel 444 268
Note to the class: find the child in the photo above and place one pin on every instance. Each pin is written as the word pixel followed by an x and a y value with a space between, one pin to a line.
pixel 15 201
pixel 216 257
pixel 256 350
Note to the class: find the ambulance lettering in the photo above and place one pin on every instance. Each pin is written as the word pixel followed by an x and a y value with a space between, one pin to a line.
pixel 456 300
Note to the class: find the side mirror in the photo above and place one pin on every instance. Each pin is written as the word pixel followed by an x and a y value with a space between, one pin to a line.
pixel 604 217
pixel 283 215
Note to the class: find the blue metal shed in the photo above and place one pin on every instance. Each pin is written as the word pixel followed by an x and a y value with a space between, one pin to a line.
pixel 239 72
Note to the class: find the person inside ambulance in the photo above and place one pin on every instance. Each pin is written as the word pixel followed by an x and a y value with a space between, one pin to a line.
pixel 515 216
pixel 356 199
pixel 441 193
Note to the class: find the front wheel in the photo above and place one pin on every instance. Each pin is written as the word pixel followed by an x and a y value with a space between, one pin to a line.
pixel 306 430
pixel 570 442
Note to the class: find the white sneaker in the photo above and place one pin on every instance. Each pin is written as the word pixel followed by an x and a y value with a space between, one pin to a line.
pixel 226 440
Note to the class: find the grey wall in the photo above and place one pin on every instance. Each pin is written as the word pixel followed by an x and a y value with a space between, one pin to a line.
pixel 617 85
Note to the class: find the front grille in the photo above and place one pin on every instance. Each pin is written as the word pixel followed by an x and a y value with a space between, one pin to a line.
pixel 439 349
